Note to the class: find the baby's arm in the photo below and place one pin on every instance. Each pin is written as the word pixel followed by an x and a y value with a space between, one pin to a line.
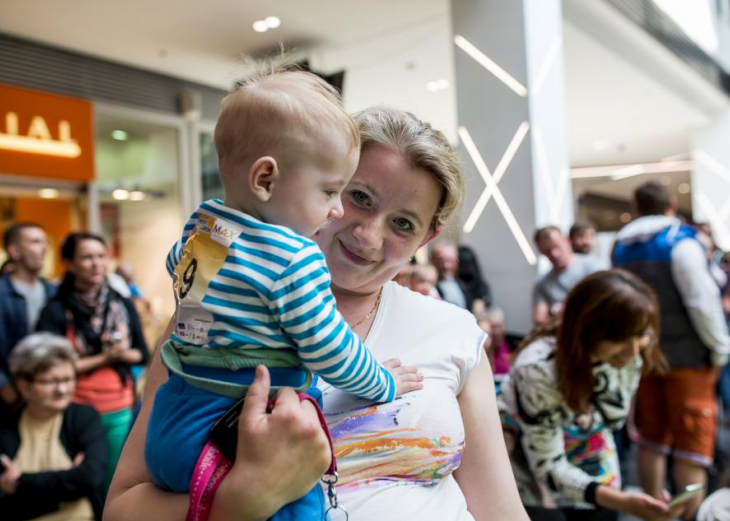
pixel 173 257
pixel 407 378
pixel 305 307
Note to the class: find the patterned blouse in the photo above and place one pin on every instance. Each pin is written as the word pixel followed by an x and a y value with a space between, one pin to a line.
pixel 562 456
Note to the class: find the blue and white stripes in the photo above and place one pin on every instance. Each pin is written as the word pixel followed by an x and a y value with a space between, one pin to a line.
pixel 273 291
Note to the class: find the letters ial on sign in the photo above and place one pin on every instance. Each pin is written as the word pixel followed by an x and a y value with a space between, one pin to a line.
pixel 38 139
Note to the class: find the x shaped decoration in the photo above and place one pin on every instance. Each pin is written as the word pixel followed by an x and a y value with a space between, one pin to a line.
pixel 491 181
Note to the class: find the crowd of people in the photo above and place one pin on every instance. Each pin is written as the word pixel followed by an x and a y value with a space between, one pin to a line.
pixel 394 379
pixel 65 383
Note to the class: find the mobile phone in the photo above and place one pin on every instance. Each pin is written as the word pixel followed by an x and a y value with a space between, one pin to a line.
pixel 688 493
pixel 224 433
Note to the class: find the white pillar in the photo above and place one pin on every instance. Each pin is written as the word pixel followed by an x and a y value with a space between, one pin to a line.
pixel 513 138
pixel 711 178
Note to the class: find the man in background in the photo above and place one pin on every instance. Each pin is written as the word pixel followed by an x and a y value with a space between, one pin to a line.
pixel 582 237
pixel 23 293
pixel 668 256
pixel 568 269
pixel 445 258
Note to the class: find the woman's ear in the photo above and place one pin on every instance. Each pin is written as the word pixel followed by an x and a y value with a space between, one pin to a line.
pixel 23 387
pixel 432 235
pixel 262 178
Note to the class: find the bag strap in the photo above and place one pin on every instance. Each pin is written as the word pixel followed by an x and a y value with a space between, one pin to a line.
pixel 213 466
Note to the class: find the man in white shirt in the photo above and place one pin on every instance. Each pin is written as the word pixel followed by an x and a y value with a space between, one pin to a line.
pixel 667 255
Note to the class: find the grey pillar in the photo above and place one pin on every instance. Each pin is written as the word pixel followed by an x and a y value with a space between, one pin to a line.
pixel 512 139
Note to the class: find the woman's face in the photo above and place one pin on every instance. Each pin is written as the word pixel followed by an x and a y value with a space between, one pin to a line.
pixel 620 354
pixel 89 263
pixel 389 207
pixel 51 390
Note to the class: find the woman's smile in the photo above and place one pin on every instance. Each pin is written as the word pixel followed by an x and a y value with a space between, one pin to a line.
pixel 353 256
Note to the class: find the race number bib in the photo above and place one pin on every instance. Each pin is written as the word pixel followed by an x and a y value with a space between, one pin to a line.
pixel 202 258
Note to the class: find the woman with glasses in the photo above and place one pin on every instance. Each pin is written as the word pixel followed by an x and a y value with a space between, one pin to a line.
pixel 105 332
pixel 571 384
pixel 53 453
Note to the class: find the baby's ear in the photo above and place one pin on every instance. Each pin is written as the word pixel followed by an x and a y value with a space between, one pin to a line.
pixel 262 178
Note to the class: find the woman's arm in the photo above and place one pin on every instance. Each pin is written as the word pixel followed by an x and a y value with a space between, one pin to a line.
pixel 132 495
pixel 53 320
pixel 83 425
pixel 139 354
pixel 485 475
pixel 89 363
pixel 280 456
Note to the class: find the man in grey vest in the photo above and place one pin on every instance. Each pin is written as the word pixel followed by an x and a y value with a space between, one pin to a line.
pixel 676 411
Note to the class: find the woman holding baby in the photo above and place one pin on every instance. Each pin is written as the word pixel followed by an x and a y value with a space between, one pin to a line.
pixel 435 453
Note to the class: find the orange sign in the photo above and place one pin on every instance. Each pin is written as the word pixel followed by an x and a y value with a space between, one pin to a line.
pixel 45 135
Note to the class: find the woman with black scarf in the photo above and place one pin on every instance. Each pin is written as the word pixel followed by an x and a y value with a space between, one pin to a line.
pixel 106 334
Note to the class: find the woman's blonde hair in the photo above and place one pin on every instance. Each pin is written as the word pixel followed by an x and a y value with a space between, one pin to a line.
pixel 422 146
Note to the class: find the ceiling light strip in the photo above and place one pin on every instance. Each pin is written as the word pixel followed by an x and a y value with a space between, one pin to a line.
pixel 648 168
pixel 713 164
pixel 545 174
pixel 491 66
pixel 504 208
pixel 477 211
pixel 512 148
pixel 546 66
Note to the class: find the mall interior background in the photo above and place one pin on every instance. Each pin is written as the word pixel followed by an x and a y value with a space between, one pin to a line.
pixel 561 107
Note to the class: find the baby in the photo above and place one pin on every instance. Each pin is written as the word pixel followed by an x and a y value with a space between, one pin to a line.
pixel 251 287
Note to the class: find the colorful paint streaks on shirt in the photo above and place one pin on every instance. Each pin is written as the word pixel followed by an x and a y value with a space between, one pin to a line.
pixel 373 447
pixel 592 453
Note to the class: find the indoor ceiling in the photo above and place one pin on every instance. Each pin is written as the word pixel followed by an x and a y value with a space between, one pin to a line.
pixel 616 113
pixel 201 41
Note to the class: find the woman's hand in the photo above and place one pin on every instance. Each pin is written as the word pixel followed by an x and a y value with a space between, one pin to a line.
pixel 636 503
pixel 9 477
pixel 124 354
pixel 406 378
pixel 280 456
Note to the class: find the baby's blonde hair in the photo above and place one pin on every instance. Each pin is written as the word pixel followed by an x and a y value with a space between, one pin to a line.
pixel 278 111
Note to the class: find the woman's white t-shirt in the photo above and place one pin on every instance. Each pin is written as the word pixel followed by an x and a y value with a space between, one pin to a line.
pixel 396 460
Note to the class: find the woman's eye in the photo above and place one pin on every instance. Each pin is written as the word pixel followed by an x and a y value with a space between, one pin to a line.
pixel 361 197
pixel 404 224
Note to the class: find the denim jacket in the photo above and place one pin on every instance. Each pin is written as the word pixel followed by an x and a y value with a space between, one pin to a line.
pixel 13 321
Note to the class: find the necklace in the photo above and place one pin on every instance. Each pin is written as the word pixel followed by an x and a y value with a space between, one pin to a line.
pixel 370 313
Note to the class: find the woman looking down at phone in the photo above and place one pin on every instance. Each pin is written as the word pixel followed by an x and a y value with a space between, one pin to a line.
pixel 570 385
pixel 106 335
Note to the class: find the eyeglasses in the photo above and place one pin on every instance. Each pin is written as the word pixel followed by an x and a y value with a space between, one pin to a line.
pixel 56 382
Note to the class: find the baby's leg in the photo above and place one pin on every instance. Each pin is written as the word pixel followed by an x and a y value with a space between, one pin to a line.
pixel 179 428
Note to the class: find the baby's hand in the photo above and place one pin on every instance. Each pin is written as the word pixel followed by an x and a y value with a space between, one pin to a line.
pixel 406 378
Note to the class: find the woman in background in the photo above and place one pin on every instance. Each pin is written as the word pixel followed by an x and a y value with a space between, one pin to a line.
pixel 571 385
pixel 53 453
pixel 106 335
